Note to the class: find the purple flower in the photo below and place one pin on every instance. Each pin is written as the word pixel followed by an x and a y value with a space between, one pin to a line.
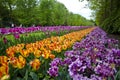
pixel 17 35
pixel 94 58
pixel 95 77
pixel 69 53
pixel 53 71
pixel 75 67
pixel 104 70
pixel 80 77
pixel 67 61
pixel 56 62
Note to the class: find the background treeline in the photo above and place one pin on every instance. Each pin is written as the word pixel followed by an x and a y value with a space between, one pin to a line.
pixel 107 14
pixel 38 12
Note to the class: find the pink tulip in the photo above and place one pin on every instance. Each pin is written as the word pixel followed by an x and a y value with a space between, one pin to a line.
pixel 4 40
pixel 17 35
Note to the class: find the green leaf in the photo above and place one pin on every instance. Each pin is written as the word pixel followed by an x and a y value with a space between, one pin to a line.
pixel 34 76
pixel 26 75
pixel 18 78
pixel 117 77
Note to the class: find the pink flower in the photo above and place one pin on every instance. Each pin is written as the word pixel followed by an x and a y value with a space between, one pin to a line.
pixel 17 35
pixel 4 40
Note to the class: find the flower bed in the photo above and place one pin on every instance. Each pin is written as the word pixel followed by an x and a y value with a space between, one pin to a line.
pixel 21 30
pixel 24 60
pixel 13 36
pixel 96 57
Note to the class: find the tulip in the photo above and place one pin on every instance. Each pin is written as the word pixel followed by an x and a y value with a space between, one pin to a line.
pixel 52 56
pixel 25 53
pixel 21 62
pixel 17 35
pixel 5 77
pixel 4 69
pixel 35 64
pixel 13 61
pixel 37 53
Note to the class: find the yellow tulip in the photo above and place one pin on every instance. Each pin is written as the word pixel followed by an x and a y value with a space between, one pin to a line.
pixel 37 53
pixel 25 53
pixel 52 56
pixel 21 62
pixel 13 61
pixel 5 77
pixel 4 69
pixel 53 44
pixel 35 64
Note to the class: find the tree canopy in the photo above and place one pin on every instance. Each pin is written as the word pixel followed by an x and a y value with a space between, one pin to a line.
pixel 106 14
pixel 38 12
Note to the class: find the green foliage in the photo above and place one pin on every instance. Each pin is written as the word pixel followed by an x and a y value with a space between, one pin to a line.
pixel 46 12
pixel 24 38
pixel 38 12
pixel 107 14
pixel 117 77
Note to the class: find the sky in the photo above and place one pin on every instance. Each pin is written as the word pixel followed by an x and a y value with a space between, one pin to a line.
pixel 77 7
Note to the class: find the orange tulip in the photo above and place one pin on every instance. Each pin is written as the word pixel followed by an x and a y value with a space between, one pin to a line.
pixel 4 69
pixel 5 77
pixel 21 62
pixel 41 48
pixel 35 64
pixel 52 56
pixel 13 61
pixel 46 54
pixel 25 53
pixel 37 53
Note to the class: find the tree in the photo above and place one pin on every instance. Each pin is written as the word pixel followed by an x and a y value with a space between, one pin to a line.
pixel 38 12
pixel 6 12
pixel 25 11
pixel 107 14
